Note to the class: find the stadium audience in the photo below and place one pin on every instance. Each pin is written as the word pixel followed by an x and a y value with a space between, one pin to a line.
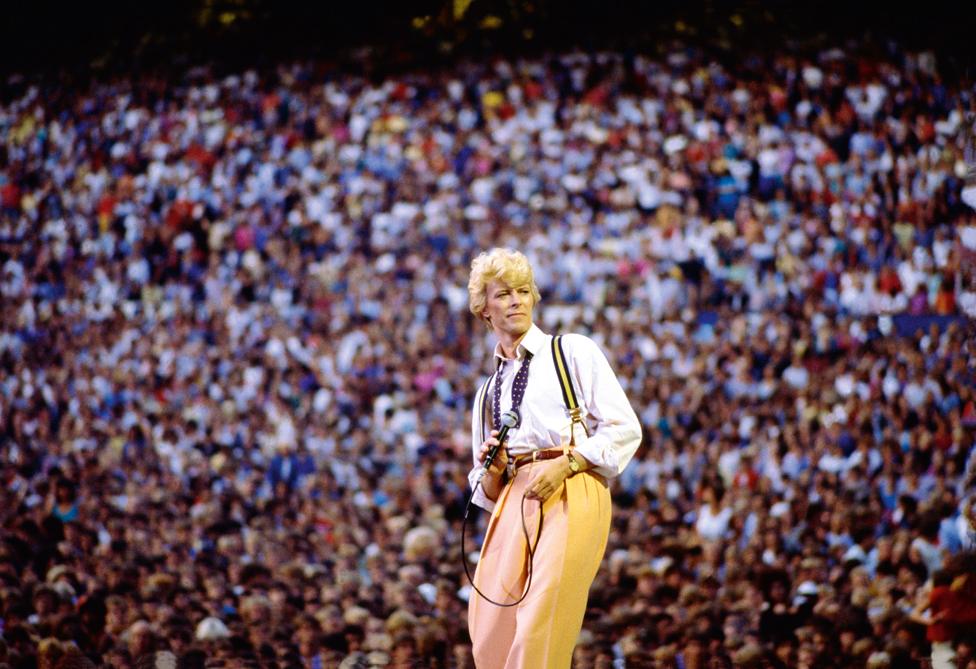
pixel 237 362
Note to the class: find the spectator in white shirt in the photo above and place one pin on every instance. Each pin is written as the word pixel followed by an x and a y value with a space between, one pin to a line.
pixel 712 523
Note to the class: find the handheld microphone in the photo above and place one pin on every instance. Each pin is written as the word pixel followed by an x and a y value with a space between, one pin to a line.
pixel 509 419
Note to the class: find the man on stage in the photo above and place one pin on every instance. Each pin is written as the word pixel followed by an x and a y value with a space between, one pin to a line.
pixel 575 429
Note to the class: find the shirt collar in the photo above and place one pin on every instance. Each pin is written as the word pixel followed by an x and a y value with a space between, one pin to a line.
pixel 533 342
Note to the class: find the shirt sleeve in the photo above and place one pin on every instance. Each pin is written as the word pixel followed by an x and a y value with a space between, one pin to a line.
pixel 612 444
pixel 479 497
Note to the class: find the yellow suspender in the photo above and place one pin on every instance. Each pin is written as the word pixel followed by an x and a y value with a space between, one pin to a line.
pixel 566 385
pixel 483 406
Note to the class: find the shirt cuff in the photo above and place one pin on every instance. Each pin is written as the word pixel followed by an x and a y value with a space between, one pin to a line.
pixel 593 454
pixel 481 499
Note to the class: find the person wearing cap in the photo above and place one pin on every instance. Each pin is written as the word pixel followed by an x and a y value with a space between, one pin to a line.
pixel 552 471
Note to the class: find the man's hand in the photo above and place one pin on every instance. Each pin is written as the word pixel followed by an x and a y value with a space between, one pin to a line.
pixel 492 483
pixel 501 458
pixel 547 478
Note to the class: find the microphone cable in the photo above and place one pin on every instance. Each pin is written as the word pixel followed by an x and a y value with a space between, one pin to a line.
pixel 528 544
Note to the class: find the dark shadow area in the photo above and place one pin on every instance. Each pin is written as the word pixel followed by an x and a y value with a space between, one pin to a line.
pixel 115 38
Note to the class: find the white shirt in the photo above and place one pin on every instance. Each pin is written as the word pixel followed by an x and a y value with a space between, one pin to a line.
pixel 613 428
pixel 713 526
pixel 966 531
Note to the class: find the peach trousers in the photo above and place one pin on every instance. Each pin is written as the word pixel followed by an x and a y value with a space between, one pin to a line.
pixel 541 631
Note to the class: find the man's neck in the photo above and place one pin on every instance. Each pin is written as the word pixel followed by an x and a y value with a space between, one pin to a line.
pixel 509 345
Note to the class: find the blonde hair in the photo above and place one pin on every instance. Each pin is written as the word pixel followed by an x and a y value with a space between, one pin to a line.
pixel 510 267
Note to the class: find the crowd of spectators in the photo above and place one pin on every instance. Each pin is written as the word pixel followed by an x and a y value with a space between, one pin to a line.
pixel 237 362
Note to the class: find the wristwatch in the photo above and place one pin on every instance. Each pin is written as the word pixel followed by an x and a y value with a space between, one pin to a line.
pixel 574 465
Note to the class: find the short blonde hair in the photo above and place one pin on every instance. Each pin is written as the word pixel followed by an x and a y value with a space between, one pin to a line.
pixel 506 265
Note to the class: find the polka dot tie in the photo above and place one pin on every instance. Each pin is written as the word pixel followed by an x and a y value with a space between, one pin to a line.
pixel 518 389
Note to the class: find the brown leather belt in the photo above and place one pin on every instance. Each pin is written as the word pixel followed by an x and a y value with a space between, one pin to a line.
pixel 538 456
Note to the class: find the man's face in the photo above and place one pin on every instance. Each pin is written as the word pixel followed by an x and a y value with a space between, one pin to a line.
pixel 509 308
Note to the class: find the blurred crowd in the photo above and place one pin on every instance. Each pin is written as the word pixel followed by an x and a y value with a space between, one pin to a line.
pixel 236 361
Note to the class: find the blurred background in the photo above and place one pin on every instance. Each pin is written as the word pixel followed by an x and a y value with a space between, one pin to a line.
pixel 236 360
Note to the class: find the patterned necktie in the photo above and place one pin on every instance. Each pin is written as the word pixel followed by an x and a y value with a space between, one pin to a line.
pixel 518 389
